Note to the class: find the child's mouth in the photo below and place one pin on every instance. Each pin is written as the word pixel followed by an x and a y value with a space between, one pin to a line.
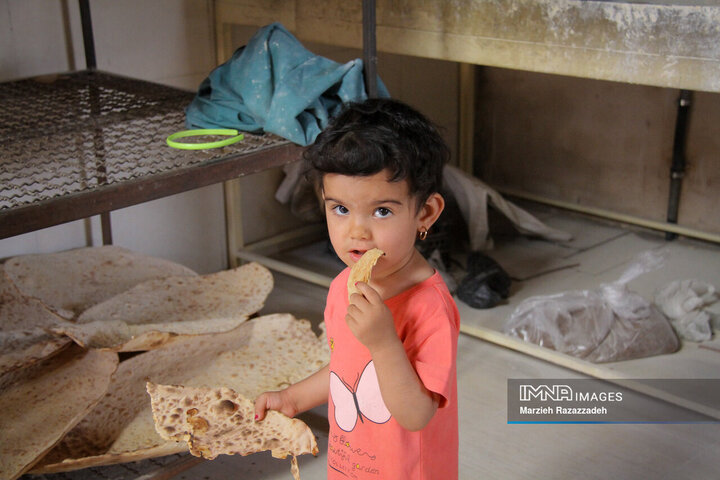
pixel 356 254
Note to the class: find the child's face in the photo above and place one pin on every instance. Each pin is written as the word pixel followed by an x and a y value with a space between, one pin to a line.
pixel 371 212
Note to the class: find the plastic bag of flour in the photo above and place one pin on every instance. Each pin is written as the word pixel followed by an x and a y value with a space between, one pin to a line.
pixel 608 324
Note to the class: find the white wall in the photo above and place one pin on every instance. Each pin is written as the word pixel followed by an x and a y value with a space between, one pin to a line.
pixel 167 41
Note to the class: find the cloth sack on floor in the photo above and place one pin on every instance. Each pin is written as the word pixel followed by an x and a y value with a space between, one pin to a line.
pixel 276 85
pixel 684 302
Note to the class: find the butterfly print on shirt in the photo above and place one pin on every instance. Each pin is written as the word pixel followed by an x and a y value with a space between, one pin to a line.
pixel 363 400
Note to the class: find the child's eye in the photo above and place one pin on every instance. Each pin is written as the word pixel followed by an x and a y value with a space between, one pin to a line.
pixel 382 212
pixel 340 210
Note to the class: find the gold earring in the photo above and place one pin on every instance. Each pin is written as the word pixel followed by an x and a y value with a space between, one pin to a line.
pixel 422 234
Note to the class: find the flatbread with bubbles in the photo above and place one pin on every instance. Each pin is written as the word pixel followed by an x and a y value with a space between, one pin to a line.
pixel 72 281
pixel 157 311
pixel 216 421
pixel 265 353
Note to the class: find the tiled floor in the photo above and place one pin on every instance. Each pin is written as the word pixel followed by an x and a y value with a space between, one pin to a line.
pixel 489 446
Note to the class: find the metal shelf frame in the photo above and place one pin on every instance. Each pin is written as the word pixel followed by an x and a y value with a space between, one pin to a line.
pixel 86 143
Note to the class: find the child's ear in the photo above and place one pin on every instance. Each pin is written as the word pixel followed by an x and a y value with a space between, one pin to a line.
pixel 431 210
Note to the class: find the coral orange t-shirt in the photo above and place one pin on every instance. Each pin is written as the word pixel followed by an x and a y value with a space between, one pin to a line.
pixel 365 441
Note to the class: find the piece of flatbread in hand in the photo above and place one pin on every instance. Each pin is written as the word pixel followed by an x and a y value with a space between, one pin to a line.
pixel 216 421
pixel 157 311
pixel 361 271
pixel 70 282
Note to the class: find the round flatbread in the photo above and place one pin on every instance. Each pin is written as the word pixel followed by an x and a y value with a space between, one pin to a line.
pixel 70 282
pixel 157 311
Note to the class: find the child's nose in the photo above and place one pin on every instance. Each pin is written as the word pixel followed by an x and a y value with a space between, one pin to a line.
pixel 359 230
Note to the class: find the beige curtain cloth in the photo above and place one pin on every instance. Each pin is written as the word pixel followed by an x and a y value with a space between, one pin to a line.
pixel 473 195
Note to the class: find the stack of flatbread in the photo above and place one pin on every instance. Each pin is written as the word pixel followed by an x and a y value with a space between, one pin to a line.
pixel 156 311
pixel 41 403
pixel 39 293
pixel 265 353
pixel 66 406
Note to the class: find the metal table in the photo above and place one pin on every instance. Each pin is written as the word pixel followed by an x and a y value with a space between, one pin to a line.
pixel 85 143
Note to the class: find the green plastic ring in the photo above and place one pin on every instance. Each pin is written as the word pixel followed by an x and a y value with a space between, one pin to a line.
pixel 234 138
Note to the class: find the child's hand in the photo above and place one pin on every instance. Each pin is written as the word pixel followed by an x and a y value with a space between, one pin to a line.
pixel 369 319
pixel 279 401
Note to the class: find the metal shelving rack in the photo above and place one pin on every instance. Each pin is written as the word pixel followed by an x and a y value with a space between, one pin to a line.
pixel 78 144
pixel 86 143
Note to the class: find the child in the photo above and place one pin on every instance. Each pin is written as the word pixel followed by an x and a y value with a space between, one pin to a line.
pixel 391 381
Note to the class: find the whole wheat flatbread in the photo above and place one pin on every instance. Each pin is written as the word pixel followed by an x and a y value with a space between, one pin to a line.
pixel 361 271
pixel 157 311
pixel 24 321
pixel 216 421
pixel 21 348
pixel 266 353
pixel 47 400
pixel 72 281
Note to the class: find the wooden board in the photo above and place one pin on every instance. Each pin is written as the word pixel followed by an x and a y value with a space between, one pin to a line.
pixel 652 44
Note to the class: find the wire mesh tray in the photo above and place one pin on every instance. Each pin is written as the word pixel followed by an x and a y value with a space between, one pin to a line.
pixel 73 134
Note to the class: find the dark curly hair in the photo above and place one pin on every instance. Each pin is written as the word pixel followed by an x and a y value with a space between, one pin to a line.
pixel 368 137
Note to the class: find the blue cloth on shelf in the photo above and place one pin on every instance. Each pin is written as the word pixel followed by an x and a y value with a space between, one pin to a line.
pixel 276 85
